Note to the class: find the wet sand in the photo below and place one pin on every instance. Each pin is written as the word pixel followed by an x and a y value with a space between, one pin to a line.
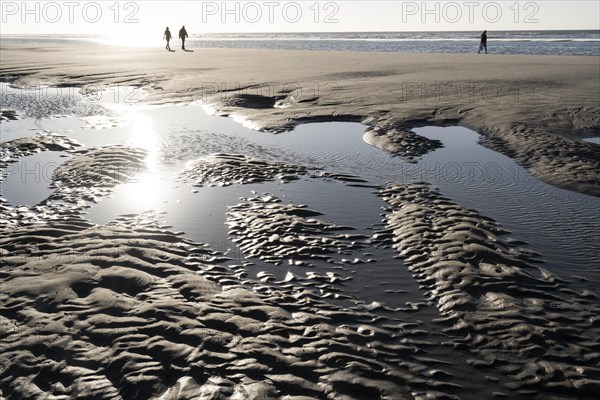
pixel 132 309
pixel 532 108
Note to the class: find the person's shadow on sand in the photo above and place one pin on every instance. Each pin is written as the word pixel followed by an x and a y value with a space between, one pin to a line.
pixel 188 51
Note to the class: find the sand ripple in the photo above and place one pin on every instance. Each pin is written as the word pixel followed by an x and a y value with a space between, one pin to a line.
pixel 133 311
pixel 398 139
pixel 8 115
pixel 515 316
pixel 226 169
pixel 104 166
pixel 87 177
pixel 264 228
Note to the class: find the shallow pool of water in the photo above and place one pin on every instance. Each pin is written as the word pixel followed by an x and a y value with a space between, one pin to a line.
pixel 27 182
pixel 562 225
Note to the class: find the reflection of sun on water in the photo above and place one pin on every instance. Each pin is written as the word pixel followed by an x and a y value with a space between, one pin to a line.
pixel 145 188
pixel 143 136
pixel 132 41
pixel 143 192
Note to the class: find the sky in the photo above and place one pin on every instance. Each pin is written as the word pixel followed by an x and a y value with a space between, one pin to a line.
pixel 142 18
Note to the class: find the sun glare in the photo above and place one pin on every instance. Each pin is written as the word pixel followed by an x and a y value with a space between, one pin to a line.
pixel 146 189
pixel 132 41
pixel 143 136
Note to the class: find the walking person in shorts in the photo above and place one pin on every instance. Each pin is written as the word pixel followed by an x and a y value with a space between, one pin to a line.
pixel 167 36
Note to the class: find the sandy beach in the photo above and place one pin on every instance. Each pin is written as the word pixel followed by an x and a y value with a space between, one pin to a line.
pixel 413 296
pixel 531 108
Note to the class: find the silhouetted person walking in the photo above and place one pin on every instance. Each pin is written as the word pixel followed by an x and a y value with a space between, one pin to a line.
pixel 183 35
pixel 167 36
pixel 483 43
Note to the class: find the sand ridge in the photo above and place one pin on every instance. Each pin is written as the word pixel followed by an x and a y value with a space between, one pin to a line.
pixel 88 176
pixel 263 227
pixel 518 317
pixel 226 169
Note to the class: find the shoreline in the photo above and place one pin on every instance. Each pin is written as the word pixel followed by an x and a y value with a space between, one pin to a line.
pixel 531 108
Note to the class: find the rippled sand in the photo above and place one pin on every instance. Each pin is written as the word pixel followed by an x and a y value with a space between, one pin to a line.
pixel 518 317
pixel 306 265
pixel 130 310
pixel 141 311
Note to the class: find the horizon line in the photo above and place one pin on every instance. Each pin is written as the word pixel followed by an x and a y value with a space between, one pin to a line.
pixel 365 31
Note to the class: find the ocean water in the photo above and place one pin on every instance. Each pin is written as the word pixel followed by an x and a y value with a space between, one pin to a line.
pixel 576 42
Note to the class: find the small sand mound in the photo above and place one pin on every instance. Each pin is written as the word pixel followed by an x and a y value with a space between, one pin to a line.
pixel 561 161
pixel 227 169
pixel 101 167
pixel 348 179
pixel 518 318
pixel 252 101
pixel 263 227
pixel 13 150
pixel 403 143
pixel 398 139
